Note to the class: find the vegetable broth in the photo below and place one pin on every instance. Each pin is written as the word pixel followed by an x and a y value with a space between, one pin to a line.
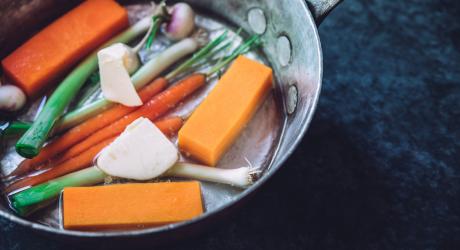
pixel 255 147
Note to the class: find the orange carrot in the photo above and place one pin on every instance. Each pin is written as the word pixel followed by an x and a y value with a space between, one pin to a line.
pixel 150 204
pixel 85 129
pixel 168 126
pixel 38 63
pixel 153 109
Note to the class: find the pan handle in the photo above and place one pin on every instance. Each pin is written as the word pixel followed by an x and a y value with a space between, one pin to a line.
pixel 321 8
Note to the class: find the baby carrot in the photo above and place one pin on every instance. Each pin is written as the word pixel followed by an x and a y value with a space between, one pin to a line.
pixel 168 126
pixel 153 109
pixel 79 162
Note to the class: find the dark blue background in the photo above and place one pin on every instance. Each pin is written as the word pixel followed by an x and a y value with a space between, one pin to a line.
pixel 379 166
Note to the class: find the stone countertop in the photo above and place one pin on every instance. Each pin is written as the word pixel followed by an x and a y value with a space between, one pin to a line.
pixel 380 165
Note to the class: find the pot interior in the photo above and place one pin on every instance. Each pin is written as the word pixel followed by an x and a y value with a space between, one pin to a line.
pixel 290 46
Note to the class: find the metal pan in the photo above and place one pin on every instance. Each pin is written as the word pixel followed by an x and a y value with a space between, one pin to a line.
pixel 291 47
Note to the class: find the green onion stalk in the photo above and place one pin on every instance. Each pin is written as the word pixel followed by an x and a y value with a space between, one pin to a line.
pixel 10 129
pixel 24 201
pixel 31 142
pixel 49 190
pixel 89 89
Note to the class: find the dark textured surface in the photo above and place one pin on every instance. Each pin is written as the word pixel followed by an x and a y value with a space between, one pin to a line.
pixel 379 166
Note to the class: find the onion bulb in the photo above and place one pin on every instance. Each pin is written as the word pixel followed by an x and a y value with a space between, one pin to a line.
pixel 12 98
pixel 182 22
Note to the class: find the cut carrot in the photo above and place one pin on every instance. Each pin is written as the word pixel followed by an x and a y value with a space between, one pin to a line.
pixel 216 123
pixel 40 61
pixel 168 126
pixel 130 206
pixel 85 129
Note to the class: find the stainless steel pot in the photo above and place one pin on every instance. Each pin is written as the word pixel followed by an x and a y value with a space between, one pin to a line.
pixel 291 45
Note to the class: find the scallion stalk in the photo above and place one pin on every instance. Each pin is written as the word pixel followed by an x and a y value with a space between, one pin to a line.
pixel 31 142
pixel 89 89
pixel 240 177
pixel 50 189
pixel 198 56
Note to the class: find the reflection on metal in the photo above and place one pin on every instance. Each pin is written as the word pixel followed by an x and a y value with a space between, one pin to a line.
pixel 257 20
pixel 283 48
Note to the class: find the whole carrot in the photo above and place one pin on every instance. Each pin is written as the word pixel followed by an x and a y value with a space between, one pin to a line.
pixel 85 129
pixel 152 109
pixel 168 126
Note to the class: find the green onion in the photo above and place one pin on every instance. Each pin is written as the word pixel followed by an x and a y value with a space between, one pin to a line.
pixel 30 144
pixel 144 75
pixel 92 86
pixel 50 189
pixel 161 15
pixel 156 22
pixel 240 177
pixel 198 55
pixel 242 49
pixel 13 128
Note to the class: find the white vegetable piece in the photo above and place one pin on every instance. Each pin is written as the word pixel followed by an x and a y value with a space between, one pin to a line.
pixel 12 98
pixel 182 22
pixel 141 152
pixel 115 64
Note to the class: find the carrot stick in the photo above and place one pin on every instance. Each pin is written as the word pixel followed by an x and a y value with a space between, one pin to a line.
pixel 85 129
pixel 168 126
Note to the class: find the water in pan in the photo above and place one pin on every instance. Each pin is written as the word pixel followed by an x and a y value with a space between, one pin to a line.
pixel 255 146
